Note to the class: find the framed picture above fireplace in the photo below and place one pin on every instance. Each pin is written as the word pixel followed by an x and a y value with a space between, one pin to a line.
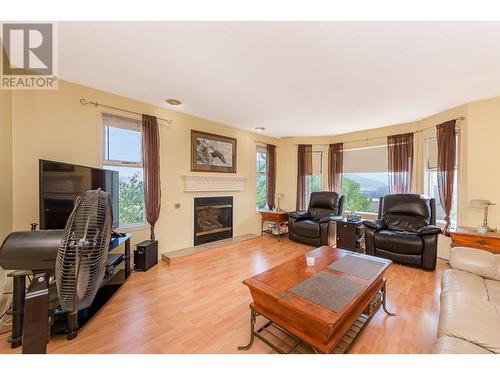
pixel 212 152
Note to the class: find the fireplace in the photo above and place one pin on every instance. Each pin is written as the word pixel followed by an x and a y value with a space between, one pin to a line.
pixel 213 219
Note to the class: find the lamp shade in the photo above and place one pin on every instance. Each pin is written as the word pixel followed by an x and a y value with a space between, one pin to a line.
pixel 480 203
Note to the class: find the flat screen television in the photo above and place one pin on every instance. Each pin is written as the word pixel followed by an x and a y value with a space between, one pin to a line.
pixel 62 183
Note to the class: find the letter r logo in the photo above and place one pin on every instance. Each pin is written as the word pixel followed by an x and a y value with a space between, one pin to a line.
pixel 28 49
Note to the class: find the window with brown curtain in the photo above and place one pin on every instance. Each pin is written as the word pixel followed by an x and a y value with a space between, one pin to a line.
pixel 271 175
pixel 335 166
pixel 261 177
pixel 446 161
pixel 314 180
pixel 304 168
pixel 400 162
pixel 430 177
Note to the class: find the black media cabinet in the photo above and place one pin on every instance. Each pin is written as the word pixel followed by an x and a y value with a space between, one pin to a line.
pixel 351 235
pixel 117 272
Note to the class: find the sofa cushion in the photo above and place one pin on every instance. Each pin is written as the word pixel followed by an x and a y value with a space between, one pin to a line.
pixel 453 345
pixel 471 318
pixel 307 228
pixel 398 242
pixel 479 262
pixel 465 282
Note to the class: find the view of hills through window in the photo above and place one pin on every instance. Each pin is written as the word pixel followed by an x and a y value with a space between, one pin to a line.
pixel 362 191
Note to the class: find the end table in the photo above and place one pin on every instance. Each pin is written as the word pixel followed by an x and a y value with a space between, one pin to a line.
pixel 350 235
pixel 276 217
pixel 469 237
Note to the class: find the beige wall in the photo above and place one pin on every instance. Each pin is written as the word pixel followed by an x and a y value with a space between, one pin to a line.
pixel 483 160
pixel 6 168
pixel 54 125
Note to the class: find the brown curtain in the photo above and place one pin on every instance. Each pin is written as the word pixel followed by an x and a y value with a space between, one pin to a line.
pixel 400 149
pixel 447 153
pixel 271 175
pixel 151 162
pixel 304 168
pixel 335 166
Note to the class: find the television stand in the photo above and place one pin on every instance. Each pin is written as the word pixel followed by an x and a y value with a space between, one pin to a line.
pixel 114 278
pixel 122 239
pixel 117 272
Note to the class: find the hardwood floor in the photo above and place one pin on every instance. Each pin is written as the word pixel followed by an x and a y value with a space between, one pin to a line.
pixel 199 305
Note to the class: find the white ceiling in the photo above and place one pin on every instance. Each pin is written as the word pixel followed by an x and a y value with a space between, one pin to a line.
pixel 293 78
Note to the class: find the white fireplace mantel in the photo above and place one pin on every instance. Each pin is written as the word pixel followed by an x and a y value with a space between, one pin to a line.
pixel 213 182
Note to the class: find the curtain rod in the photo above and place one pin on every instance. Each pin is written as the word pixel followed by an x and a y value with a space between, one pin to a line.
pixel 461 118
pixel 84 101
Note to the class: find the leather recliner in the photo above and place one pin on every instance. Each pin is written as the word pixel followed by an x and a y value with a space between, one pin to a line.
pixel 313 227
pixel 405 230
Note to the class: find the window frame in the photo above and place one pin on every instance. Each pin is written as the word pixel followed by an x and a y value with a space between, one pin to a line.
pixel 123 163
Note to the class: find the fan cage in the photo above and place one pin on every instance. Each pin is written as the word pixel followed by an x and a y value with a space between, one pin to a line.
pixel 82 255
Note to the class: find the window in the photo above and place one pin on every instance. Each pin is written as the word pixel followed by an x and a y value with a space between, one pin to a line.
pixel 314 182
pixel 261 178
pixel 430 180
pixel 123 153
pixel 365 178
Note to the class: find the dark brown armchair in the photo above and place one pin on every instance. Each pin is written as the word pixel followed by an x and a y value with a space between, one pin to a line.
pixel 405 230
pixel 313 226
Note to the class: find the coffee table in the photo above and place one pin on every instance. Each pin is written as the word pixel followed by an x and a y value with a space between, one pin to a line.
pixel 319 327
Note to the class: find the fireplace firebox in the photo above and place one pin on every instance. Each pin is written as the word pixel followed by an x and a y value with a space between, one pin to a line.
pixel 213 219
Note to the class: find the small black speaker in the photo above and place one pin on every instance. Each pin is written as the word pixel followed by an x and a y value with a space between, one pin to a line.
pixel 145 255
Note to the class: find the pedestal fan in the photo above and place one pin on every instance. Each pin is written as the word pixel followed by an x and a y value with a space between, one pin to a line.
pixel 82 255
pixel 76 256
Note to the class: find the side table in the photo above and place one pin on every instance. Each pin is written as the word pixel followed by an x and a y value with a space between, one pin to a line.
pixel 350 235
pixel 469 237
pixel 276 217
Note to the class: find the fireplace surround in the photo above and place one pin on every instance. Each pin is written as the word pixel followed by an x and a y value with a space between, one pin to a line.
pixel 213 219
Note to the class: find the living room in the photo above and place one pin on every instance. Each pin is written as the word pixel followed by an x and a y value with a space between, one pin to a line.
pixel 266 186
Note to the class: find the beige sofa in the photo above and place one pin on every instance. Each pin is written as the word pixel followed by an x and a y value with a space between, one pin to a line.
pixel 469 320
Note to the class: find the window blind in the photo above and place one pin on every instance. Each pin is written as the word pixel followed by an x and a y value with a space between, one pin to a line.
pixel 366 160
pixel 317 162
pixel 118 121
pixel 432 153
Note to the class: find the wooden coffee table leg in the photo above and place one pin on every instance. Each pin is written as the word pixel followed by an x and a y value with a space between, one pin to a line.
pixel 253 316
pixel 384 299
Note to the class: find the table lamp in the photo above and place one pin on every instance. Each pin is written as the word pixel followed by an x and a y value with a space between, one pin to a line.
pixel 278 197
pixel 484 204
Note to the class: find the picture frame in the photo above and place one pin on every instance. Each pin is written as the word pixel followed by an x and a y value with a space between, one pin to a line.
pixel 212 152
